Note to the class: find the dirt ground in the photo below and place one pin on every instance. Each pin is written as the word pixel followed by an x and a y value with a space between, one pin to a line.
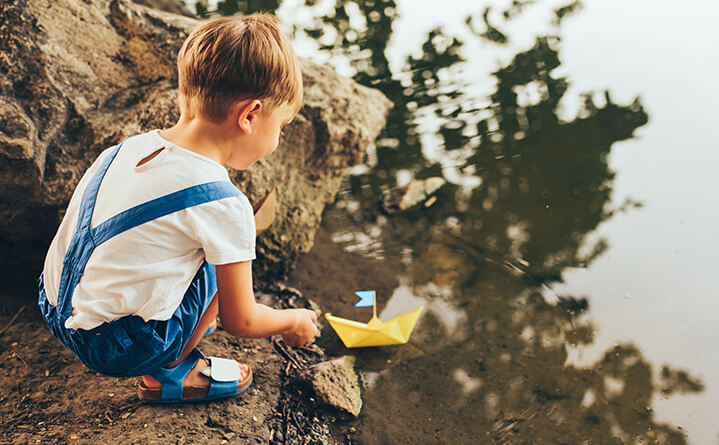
pixel 48 396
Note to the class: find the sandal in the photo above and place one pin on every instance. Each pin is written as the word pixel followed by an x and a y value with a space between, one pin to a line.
pixel 224 377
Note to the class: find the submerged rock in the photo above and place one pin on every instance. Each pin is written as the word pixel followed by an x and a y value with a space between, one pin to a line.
pixel 403 198
pixel 336 384
pixel 77 76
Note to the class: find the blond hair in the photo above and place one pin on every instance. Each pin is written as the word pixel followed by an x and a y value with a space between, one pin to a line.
pixel 236 58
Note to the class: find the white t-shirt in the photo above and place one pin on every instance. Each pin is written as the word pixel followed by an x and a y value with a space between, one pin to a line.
pixel 146 270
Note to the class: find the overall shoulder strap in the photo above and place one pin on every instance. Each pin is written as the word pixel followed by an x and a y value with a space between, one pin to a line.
pixel 164 205
pixel 81 245
pixel 87 206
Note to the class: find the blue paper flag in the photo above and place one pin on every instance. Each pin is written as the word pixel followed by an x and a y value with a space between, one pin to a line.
pixel 367 298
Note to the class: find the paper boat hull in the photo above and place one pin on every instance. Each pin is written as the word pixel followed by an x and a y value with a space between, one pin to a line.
pixel 376 333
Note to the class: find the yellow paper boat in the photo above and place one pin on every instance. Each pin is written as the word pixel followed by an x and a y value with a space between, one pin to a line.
pixel 375 333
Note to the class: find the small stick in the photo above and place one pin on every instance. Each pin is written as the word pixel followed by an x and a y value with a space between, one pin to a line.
pixel 286 354
pixel 287 423
pixel 297 424
pixel 12 320
pixel 20 357
pixel 306 349
pixel 132 405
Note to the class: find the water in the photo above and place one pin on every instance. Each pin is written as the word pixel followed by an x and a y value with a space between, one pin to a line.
pixel 567 266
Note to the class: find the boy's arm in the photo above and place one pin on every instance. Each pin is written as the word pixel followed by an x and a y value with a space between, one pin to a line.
pixel 241 316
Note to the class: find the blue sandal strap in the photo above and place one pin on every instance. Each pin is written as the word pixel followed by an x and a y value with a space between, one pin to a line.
pixel 173 379
pixel 222 389
pixel 224 377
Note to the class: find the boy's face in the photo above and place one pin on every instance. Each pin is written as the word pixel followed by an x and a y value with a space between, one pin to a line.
pixel 270 128
pixel 265 135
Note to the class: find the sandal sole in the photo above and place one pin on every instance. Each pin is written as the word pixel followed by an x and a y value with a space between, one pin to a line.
pixel 155 395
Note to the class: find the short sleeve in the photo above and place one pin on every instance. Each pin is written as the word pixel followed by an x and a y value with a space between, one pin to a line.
pixel 225 229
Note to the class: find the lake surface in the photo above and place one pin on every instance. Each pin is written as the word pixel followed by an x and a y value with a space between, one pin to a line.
pixel 567 267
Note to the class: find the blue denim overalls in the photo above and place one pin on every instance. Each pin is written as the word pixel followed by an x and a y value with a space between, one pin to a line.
pixel 129 346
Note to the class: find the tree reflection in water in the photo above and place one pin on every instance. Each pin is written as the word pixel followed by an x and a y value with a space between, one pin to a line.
pixel 541 185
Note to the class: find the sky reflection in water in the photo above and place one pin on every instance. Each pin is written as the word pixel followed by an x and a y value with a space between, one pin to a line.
pixel 530 183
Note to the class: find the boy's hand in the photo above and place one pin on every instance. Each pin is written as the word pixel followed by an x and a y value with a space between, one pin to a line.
pixel 304 330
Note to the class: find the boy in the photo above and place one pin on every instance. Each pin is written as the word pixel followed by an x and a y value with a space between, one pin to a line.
pixel 156 240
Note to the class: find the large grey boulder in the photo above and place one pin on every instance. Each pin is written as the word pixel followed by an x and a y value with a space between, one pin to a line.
pixel 77 76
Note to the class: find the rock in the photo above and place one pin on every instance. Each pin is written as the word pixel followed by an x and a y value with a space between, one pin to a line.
pixel 325 139
pixel 77 76
pixel 336 384
pixel 174 6
pixel 402 198
pixel 279 437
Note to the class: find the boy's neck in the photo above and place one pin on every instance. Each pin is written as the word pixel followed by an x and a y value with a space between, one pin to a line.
pixel 201 136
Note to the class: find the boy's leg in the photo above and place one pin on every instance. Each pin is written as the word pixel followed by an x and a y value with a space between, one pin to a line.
pixel 194 378
pixel 207 318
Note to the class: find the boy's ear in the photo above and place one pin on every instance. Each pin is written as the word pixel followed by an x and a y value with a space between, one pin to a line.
pixel 247 114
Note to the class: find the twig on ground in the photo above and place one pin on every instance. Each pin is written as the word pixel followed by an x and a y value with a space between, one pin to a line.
pixel 15 354
pixel 132 405
pixel 306 349
pixel 281 349
pixel 287 424
pixel 12 320
pixel 297 424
